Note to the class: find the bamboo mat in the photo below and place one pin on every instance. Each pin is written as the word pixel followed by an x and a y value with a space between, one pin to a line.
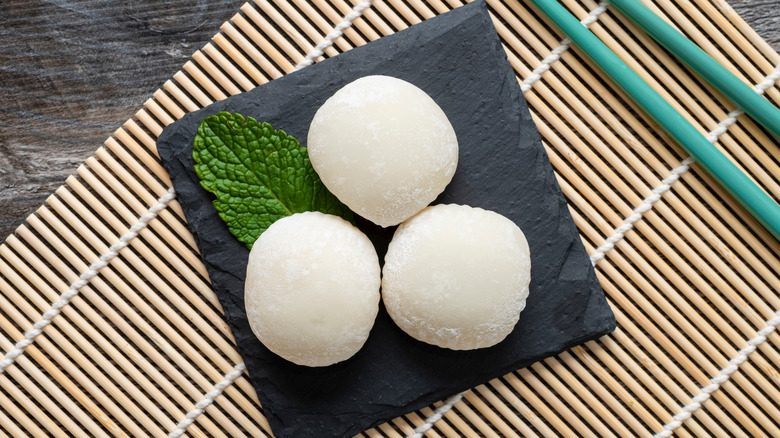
pixel 109 326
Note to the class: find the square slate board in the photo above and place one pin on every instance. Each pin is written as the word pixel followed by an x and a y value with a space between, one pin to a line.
pixel 458 60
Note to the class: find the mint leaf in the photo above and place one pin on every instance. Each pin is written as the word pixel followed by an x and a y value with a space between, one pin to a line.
pixel 258 174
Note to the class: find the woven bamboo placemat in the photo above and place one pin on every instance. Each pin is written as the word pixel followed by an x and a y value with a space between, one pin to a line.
pixel 109 326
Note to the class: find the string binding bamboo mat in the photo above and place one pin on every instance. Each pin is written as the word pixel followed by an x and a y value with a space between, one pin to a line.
pixel 109 327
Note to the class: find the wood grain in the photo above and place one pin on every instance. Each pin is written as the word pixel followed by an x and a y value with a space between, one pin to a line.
pixel 692 282
pixel 71 71
pixel 763 16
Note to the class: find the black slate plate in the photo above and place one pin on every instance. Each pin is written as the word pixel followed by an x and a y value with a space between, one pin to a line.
pixel 458 60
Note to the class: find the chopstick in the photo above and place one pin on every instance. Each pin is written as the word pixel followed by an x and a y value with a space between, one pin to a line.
pixel 699 61
pixel 739 185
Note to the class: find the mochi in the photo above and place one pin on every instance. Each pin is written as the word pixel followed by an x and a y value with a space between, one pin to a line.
pixel 383 147
pixel 312 288
pixel 457 276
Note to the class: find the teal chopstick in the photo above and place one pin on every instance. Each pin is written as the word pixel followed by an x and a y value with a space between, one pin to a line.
pixel 742 188
pixel 699 61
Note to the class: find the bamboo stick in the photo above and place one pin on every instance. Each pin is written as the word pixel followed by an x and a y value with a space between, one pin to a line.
pixel 23 376
pixel 216 55
pixel 692 263
pixel 22 418
pixel 99 385
pixel 147 348
pixel 140 285
pixel 270 70
pixel 260 23
pixel 204 81
pixel 731 19
pixel 191 88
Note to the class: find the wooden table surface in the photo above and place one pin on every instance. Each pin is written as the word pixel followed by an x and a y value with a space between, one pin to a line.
pixel 72 71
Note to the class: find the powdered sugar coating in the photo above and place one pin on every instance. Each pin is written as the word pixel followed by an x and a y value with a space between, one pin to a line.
pixel 457 276
pixel 312 288
pixel 383 147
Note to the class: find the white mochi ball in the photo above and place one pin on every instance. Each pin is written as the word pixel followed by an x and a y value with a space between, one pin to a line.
pixel 457 276
pixel 312 288
pixel 383 147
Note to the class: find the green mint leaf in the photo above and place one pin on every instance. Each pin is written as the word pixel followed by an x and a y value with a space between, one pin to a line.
pixel 258 175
